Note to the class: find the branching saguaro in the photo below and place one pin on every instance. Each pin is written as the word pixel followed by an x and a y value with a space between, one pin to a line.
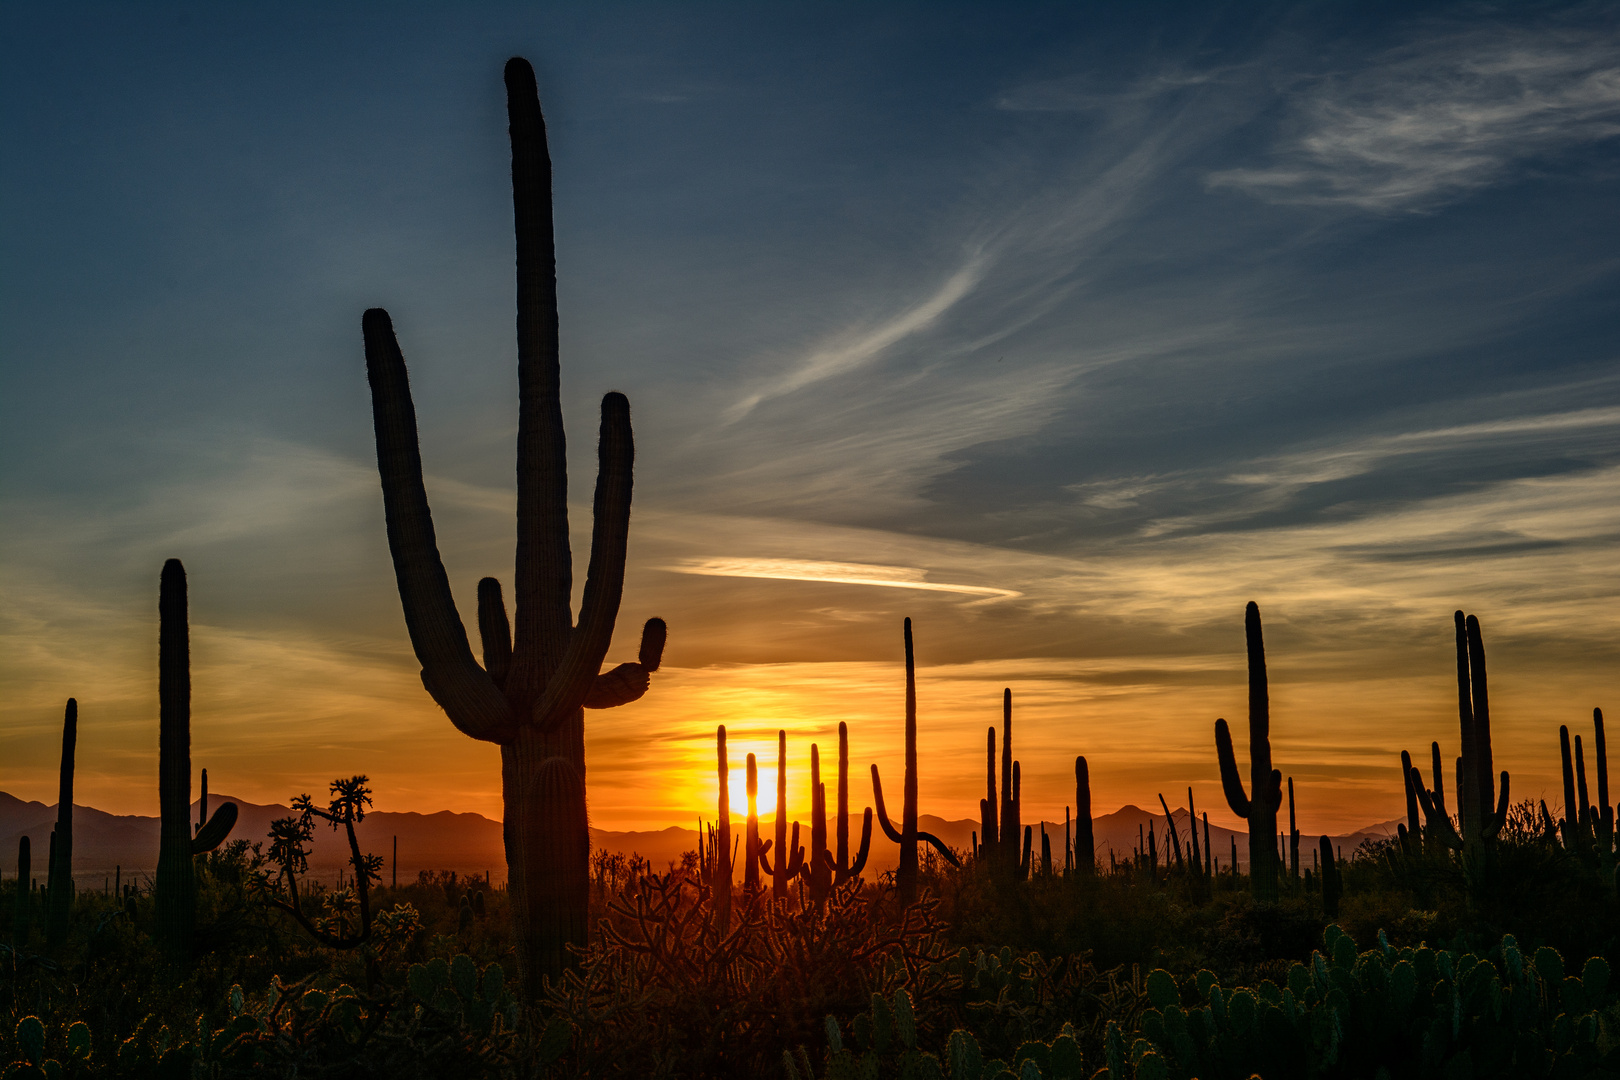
pixel 1259 809
pixel 1481 809
pixel 528 695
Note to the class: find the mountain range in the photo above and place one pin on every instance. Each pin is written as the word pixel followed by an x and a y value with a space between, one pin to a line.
pixel 470 844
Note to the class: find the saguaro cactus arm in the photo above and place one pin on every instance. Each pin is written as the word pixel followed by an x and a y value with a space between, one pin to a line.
pixel 894 834
pixel 494 631
pixel 1439 823
pixel 1231 779
pixel 463 690
pixel 214 832
pixel 565 691
pixel 628 682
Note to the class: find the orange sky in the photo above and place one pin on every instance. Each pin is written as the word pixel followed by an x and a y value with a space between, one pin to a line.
pixel 1065 338
pixel 1126 660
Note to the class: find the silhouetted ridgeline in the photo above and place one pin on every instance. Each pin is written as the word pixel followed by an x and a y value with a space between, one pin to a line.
pixel 471 843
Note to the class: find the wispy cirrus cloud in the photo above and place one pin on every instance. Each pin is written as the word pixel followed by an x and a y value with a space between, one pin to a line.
pixel 892 577
pixel 1443 116
pixel 862 345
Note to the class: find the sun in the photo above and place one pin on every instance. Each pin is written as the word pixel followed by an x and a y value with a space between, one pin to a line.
pixel 738 784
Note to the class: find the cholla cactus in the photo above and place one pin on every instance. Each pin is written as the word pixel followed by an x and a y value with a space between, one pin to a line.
pixel 347 919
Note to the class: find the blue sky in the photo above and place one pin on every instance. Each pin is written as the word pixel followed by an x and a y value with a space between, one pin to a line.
pixel 1095 320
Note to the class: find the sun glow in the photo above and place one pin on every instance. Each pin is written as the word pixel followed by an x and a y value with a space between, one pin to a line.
pixel 738 783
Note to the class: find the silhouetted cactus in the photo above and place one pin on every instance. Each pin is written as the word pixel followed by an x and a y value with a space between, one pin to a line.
pixel 841 867
pixel 789 855
pixel 1587 827
pixel 22 903
pixel 1332 880
pixel 1001 815
pixel 908 835
pixel 1605 808
pixel 1085 840
pixel 818 862
pixel 1411 836
pixel 338 928
pixel 1480 811
pixel 174 894
pixel 989 808
pixel 174 897
pixel 1293 834
pixel 1013 867
pixel 751 844
pixel 721 880
pixel 528 696
pixel 1174 836
pixel 60 902
pixel 1261 810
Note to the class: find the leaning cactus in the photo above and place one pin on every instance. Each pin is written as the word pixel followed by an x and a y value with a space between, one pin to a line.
pixel 528 695
pixel 908 835
pixel 60 901
pixel 1266 782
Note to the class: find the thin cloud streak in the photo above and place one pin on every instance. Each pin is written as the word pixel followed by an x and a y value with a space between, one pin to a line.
pixel 845 357
pixel 1443 117
pixel 893 577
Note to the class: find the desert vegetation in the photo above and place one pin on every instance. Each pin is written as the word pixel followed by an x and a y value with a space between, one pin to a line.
pixel 1478 941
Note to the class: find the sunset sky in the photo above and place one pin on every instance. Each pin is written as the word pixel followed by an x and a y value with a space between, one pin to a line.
pixel 1063 329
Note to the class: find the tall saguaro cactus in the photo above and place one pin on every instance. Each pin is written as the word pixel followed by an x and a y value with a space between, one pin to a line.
pixel 528 695
pixel 1481 810
pixel 722 835
pixel 1085 843
pixel 840 866
pixel 22 906
pixel 789 853
pixel 1260 809
pixel 751 844
pixel 908 835
pixel 175 895
pixel 60 902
